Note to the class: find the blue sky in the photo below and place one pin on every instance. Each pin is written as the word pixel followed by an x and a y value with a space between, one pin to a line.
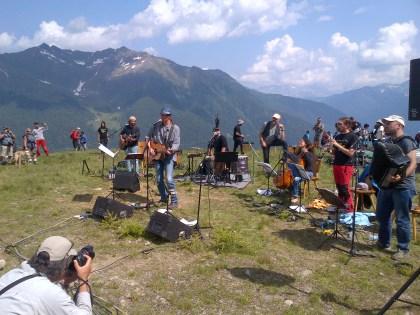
pixel 295 47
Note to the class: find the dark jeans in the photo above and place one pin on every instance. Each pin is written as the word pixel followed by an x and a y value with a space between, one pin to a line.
pixel 276 143
pixel 238 143
pixel 400 201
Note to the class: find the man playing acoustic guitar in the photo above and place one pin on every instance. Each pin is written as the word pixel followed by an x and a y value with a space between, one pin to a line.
pixel 165 132
pixel 129 138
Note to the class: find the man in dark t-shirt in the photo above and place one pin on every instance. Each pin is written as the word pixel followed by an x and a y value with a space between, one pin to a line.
pixel 217 143
pixel 399 195
pixel 238 137
pixel 129 138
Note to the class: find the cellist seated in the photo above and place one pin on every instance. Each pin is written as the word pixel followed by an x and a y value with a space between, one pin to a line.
pixel 303 156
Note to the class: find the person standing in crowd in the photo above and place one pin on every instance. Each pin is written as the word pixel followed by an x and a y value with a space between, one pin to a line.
pixel 103 134
pixel 165 132
pixel 318 129
pixel 378 133
pixel 364 135
pixel 7 139
pixel 238 137
pixel 83 141
pixel 28 145
pixel 307 136
pixel 40 141
pixel 399 195
pixel 417 138
pixel 75 138
pixel 343 150
pixel 129 138
pixel 272 134
pixel 218 143
pixel 38 285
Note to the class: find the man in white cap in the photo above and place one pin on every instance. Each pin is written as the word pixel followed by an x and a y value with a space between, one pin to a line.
pixel 238 137
pixel 129 138
pixel 399 195
pixel 272 134
pixel 37 286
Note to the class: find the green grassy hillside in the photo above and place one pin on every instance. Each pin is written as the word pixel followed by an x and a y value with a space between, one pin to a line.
pixel 249 262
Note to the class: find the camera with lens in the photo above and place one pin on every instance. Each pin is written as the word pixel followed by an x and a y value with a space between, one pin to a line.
pixel 80 257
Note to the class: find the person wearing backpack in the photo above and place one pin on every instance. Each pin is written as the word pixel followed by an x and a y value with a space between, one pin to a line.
pixel 28 145
pixel 7 140
pixel 398 197
pixel 83 141
pixel 75 138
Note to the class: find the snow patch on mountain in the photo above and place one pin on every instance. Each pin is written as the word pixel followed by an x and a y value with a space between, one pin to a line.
pixel 4 72
pixel 45 82
pixel 98 61
pixel 79 62
pixel 51 56
pixel 79 88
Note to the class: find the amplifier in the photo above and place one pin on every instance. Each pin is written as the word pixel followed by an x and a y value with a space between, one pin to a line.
pixel 105 207
pixel 125 180
pixel 168 227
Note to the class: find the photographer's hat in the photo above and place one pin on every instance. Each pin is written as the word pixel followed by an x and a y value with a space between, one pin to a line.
pixel 57 247
pixel 276 116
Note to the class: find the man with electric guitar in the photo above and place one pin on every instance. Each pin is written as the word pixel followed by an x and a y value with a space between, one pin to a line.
pixel 129 138
pixel 163 143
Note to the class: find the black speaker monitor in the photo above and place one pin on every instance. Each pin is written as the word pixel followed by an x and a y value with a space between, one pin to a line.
pixel 125 180
pixel 105 207
pixel 414 93
pixel 168 227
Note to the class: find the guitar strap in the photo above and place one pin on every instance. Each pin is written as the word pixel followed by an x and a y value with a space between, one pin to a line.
pixel 169 136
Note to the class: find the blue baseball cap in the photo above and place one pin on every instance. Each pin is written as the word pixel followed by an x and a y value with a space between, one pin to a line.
pixel 165 110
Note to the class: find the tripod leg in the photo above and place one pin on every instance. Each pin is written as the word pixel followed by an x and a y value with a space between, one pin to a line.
pixel 396 296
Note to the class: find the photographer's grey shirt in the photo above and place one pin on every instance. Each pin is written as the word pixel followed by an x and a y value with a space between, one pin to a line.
pixel 38 296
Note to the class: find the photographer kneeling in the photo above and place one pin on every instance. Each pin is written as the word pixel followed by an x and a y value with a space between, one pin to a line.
pixel 37 286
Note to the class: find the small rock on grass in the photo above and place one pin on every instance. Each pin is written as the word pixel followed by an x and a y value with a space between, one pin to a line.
pixel 288 302
pixel 2 264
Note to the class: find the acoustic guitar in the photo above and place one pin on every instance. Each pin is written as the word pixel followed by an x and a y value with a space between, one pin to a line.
pixel 126 139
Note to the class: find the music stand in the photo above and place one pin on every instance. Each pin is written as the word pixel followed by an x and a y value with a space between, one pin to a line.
pixel 227 158
pixel 269 171
pixel 330 197
pixel 111 154
pixel 303 177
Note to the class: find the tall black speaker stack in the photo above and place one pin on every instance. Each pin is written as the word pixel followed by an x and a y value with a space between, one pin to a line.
pixel 414 93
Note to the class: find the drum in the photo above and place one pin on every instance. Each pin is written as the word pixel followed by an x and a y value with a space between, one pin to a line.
pixel 241 166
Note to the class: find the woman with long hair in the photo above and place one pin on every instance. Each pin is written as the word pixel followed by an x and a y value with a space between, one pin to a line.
pixel 343 150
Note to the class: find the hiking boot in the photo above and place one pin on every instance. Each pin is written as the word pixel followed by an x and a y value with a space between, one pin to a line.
pixel 163 201
pixel 384 248
pixel 401 255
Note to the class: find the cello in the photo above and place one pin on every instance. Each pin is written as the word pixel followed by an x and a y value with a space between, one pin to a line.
pixel 284 179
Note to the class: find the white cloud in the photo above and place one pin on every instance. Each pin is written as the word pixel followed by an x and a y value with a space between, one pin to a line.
pixel 394 45
pixel 325 18
pixel 151 51
pixel 179 20
pixel 345 65
pixel 338 40
pixel 6 40
pixel 284 63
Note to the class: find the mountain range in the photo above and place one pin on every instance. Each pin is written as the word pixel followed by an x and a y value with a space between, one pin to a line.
pixel 368 104
pixel 68 89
